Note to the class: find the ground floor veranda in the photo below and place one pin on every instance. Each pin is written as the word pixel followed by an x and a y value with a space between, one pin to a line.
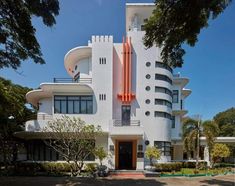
pixel 125 152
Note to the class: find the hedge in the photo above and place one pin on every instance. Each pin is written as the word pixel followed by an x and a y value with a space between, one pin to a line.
pixel 176 166
pixel 49 168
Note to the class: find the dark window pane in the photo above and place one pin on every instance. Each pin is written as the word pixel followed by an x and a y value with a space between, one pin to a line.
pixel 76 107
pixel 89 107
pixel 63 107
pixel 70 107
pixel 57 107
pixel 83 107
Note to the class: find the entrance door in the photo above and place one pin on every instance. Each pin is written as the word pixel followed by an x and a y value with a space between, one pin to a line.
pixel 125 155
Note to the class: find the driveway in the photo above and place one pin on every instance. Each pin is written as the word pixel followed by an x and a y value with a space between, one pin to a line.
pixel 228 180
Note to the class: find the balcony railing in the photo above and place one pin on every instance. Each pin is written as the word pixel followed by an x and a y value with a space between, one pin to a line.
pixel 120 123
pixel 71 80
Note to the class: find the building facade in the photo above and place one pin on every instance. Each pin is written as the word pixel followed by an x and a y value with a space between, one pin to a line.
pixel 124 88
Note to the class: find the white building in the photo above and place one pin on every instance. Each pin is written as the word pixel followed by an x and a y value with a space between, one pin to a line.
pixel 124 88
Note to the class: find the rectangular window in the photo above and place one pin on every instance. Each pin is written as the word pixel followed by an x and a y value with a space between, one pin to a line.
pixel 73 104
pixel 163 65
pixel 164 147
pixel 175 96
pixel 173 122
pixel 102 60
pixel 126 114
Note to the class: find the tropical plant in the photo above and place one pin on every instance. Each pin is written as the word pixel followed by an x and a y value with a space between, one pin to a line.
pixel 13 113
pixel 176 22
pixel 152 153
pixel 226 122
pixel 73 139
pixel 17 34
pixel 219 151
pixel 100 153
pixel 193 129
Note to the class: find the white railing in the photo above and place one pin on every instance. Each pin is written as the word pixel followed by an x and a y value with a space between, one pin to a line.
pixel 120 123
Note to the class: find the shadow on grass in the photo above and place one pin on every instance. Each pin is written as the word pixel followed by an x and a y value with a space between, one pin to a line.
pixel 218 182
pixel 65 181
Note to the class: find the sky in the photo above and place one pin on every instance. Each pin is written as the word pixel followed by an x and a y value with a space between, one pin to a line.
pixel 210 65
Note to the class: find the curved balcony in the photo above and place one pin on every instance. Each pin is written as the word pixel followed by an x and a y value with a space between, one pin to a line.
pixel 46 90
pixel 74 56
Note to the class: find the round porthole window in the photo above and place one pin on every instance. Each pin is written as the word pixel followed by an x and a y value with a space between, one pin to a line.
pixel 147 113
pixel 147 101
pixel 147 88
pixel 148 76
pixel 148 64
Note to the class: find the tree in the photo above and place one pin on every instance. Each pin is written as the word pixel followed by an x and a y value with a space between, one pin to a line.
pixel 175 22
pixel 226 122
pixel 72 139
pixel 220 151
pixel 100 153
pixel 17 34
pixel 193 129
pixel 152 153
pixel 13 114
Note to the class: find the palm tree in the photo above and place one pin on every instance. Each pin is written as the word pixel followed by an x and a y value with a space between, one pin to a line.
pixel 193 129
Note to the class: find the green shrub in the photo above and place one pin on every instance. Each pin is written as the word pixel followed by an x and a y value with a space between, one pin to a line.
pixel 190 164
pixel 168 167
pixel 90 167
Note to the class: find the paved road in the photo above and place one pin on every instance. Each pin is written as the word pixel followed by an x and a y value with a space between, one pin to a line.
pixel 228 180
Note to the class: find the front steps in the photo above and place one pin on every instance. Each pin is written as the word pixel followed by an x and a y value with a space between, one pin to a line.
pixel 134 174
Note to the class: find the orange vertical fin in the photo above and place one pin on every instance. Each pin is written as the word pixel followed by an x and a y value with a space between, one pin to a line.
pixel 130 64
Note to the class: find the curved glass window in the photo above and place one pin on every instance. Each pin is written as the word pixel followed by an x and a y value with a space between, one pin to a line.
pixel 163 90
pixel 162 114
pixel 163 102
pixel 163 65
pixel 163 78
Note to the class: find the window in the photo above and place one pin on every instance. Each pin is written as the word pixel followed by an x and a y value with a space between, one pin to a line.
pixel 102 97
pixel 73 104
pixel 140 147
pixel 147 113
pixel 147 88
pixel 148 64
pixel 162 114
pixel 173 122
pixel 148 76
pixel 164 147
pixel 37 150
pixel 175 96
pixel 147 101
pixel 102 60
pixel 163 102
pixel 76 67
pixel 163 78
pixel 163 90
pixel 163 65
pixel 126 114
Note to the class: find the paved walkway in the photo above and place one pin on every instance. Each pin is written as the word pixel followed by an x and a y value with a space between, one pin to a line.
pixel 228 180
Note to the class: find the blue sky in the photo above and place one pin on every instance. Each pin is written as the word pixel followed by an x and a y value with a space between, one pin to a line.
pixel 210 65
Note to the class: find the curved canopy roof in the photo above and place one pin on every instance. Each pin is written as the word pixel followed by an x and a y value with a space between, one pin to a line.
pixel 74 55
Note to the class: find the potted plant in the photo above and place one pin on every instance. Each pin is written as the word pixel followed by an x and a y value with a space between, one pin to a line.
pixel 101 154
pixel 152 153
